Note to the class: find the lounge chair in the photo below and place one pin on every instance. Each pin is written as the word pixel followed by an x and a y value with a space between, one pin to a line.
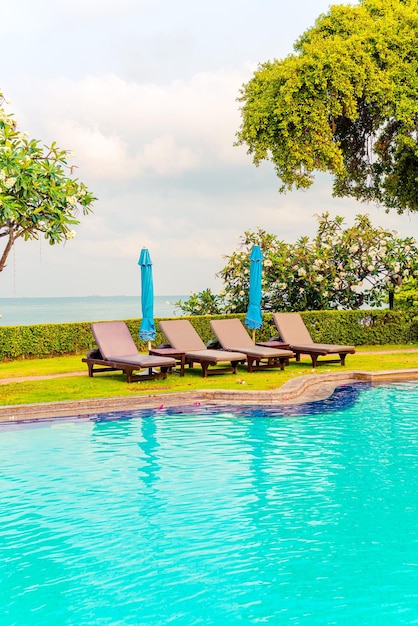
pixel 293 331
pixel 183 337
pixel 116 350
pixel 232 335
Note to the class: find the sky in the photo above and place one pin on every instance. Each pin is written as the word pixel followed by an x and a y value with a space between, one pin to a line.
pixel 144 92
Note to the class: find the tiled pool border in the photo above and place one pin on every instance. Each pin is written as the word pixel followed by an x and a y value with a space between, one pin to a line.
pixel 298 390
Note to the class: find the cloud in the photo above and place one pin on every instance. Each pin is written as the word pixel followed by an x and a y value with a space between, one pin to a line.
pixel 84 10
pixel 121 130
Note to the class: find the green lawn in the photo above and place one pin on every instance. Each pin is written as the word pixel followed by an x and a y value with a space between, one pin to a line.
pixel 114 384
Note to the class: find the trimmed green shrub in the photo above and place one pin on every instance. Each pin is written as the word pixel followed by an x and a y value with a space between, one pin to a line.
pixel 347 327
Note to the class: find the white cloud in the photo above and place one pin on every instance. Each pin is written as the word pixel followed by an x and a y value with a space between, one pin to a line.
pixel 84 10
pixel 166 157
pixel 99 155
pixel 120 129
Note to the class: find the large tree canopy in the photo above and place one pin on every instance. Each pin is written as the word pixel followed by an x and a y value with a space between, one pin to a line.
pixel 346 102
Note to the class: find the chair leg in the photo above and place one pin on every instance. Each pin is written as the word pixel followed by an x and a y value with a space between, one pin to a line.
pixel 205 370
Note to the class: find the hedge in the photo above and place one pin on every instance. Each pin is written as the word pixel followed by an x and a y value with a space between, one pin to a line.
pixel 372 327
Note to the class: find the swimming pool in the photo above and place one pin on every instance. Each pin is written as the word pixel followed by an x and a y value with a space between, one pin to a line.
pixel 302 515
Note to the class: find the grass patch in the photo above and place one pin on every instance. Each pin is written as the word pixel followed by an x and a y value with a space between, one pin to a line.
pixel 41 367
pixel 113 384
pixel 387 346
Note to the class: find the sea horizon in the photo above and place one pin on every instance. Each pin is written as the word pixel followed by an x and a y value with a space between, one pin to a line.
pixel 26 310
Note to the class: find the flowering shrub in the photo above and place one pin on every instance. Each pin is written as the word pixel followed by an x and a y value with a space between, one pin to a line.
pixel 340 268
pixel 203 303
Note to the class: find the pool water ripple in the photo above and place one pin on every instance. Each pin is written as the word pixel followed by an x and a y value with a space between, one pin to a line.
pixel 274 515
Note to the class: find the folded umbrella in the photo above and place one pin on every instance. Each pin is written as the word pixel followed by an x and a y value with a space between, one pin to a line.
pixel 254 318
pixel 147 330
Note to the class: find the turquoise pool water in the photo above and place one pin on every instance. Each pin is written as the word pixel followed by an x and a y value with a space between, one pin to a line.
pixel 301 516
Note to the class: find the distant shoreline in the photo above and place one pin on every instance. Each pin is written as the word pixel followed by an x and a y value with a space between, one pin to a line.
pixel 21 311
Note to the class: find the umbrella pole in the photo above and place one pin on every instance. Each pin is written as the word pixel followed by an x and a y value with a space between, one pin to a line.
pixel 149 346
pixel 254 335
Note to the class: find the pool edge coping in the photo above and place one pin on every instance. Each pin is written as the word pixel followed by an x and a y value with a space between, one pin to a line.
pixel 296 391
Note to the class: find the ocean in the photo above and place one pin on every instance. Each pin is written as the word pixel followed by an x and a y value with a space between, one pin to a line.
pixel 26 311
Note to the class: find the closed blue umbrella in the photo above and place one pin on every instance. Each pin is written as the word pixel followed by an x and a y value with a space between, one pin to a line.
pixel 254 317
pixel 147 330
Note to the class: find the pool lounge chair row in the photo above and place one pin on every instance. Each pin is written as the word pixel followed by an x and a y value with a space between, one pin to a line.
pixel 116 350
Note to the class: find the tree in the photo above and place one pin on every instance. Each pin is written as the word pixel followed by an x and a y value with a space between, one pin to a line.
pixel 407 296
pixel 203 303
pixel 340 268
pixel 37 198
pixel 346 102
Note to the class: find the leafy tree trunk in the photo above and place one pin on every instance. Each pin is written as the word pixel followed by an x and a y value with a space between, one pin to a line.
pixel 6 251
pixel 391 299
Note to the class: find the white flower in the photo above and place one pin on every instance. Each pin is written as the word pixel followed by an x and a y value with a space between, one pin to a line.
pixel 242 293
pixel 72 200
pixel 70 234
pixel 9 182
pixel 353 287
pixel 370 268
pixel 268 263
pixel 301 271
